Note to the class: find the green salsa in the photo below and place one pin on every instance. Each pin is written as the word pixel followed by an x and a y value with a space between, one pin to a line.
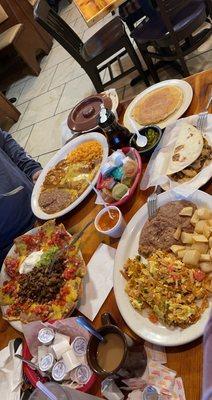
pixel 152 137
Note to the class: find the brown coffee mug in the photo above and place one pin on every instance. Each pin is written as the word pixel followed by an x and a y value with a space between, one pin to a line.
pixel 109 326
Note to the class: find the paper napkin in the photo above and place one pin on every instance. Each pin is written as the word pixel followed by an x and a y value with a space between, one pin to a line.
pixel 98 282
pixel 10 373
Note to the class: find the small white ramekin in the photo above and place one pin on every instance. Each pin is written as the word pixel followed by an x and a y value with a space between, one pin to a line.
pixel 117 230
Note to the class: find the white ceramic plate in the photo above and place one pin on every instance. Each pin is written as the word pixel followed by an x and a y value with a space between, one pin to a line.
pixel 3 277
pixel 60 155
pixel 128 247
pixel 187 97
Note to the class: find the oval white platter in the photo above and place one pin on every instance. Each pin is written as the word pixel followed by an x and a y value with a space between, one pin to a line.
pixel 128 248
pixel 60 155
pixel 187 98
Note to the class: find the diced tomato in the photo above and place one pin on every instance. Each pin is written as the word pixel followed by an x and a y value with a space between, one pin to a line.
pixel 58 237
pixel 69 273
pixel 170 268
pixel 11 266
pixel 199 275
pixel 174 276
pixel 31 241
pixel 153 318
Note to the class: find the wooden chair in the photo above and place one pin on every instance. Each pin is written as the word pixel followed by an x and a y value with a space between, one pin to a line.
pixel 172 33
pixel 19 42
pixel 8 113
pixel 131 11
pixel 102 45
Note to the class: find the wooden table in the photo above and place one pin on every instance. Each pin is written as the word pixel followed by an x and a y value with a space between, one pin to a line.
pixel 186 360
pixel 94 10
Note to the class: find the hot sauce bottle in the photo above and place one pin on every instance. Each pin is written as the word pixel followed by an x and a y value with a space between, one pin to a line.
pixel 117 135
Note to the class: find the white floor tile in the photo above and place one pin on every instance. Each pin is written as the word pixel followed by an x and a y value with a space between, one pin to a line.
pixel 65 72
pixel 22 136
pixel 56 55
pixel 75 91
pixel 44 158
pixel 200 63
pixel 46 135
pixel 80 27
pixel 37 85
pixel 22 108
pixel 41 107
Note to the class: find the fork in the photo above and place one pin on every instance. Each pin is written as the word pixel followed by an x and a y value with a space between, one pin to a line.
pixel 152 204
pixel 12 192
pixel 202 118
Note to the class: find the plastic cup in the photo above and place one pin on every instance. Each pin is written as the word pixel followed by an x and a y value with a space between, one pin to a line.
pixel 117 230
pixel 55 388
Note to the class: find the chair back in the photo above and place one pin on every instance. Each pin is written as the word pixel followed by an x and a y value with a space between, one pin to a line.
pixel 59 29
pixel 171 7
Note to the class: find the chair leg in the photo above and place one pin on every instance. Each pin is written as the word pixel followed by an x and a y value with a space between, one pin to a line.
pixel 93 74
pixel 132 53
pixel 185 71
pixel 152 69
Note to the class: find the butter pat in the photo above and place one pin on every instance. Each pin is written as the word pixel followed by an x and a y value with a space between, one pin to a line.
pixel 70 360
pixel 60 348
pixel 59 337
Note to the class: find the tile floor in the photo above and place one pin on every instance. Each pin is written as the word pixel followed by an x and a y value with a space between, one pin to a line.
pixel 45 101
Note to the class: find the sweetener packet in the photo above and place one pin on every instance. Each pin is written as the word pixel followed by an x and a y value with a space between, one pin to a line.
pixel 179 389
pixel 135 383
pixel 155 353
pixel 162 377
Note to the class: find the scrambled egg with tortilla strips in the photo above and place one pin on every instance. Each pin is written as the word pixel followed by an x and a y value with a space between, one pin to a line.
pixel 177 295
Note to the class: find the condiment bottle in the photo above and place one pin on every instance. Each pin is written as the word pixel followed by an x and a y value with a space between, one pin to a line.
pixel 117 135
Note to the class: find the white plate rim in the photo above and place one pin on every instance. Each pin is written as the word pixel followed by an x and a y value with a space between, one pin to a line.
pixel 138 323
pixel 18 325
pixel 39 213
pixel 188 95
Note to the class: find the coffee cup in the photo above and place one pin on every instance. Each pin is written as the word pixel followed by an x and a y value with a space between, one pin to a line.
pixel 115 355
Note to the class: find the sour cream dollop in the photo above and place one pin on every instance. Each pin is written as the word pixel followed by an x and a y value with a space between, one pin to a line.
pixel 29 263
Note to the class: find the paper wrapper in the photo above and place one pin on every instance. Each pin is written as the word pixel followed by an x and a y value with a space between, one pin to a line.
pixel 155 173
pixel 66 326
pixel 10 373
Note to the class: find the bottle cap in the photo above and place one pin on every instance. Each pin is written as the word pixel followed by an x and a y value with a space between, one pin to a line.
pixel 46 336
pixel 79 346
pixel 59 371
pixel 106 117
pixel 46 362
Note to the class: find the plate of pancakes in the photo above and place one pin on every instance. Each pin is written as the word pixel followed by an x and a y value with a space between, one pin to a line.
pixel 160 104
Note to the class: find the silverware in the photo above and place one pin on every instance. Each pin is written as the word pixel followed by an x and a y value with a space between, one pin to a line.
pixel 202 118
pixel 31 364
pixel 152 202
pixel 80 233
pixel 12 192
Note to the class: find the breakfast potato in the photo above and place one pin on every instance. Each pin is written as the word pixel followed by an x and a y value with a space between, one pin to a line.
pixel 205 257
pixel 175 248
pixel 187 211
pixel 206 231
pixel 200 226
pixel 210 252
pixel 177 233
pixel 180 253
pixel 186 238
pixel 199 238
pixel 210 242
pixel 206 266
pixel 202 248
pixel 194 218
pixel 203 213
pixel 210 222
pixel 191 257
